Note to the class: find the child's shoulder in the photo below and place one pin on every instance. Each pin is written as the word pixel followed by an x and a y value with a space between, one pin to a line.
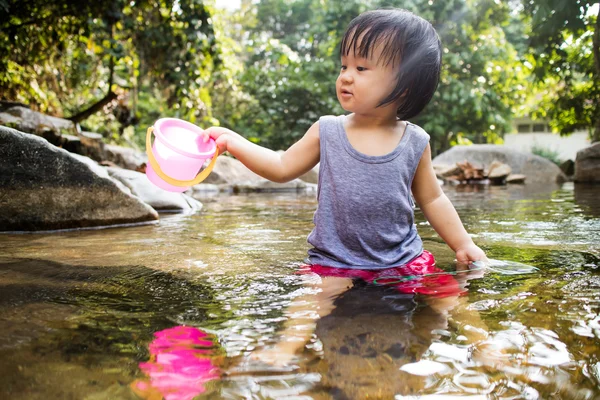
pixel 417 130
pixel 329 118
pixel 329 122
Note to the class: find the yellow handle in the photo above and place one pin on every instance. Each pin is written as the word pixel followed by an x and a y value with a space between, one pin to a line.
pixel 172 181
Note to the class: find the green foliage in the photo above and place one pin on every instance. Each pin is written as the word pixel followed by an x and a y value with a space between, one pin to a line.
pixel 268 70
pixel 292 61
pixel 480 82
pixel 547 153
pixel 35 42
pixel 64 55
pixel 290 69
pixel 565 54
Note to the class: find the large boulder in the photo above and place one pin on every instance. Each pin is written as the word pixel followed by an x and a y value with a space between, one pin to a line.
pixel 125 157
pixel 230 171
pixel 233 176
pixel 568 168
pixel 47 188
pixel 587 164
pixel 311 176
pixel 536 168
pixel 87 144
pixel 29 121
pixel 64 133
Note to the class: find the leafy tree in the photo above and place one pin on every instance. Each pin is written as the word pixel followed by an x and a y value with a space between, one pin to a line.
pixel 481 81
pixel 266 70
pixel 32 40
pixel 74 58
pixel 565 55
pixel 289 70
pixel 291 62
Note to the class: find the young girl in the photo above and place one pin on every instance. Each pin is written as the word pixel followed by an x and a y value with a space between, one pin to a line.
pixel 371 159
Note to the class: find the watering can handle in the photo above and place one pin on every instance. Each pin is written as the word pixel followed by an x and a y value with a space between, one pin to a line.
pixel 175 182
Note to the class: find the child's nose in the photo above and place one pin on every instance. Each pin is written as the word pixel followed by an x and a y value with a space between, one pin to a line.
pixel 346 77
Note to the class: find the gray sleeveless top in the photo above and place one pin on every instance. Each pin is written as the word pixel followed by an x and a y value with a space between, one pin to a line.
pixel 364 217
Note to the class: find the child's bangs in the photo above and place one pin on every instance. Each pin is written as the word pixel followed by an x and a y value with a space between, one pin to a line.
pixel 361 41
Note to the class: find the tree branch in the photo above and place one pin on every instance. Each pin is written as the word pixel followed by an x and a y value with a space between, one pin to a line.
pixel 110 96
pixel 30 22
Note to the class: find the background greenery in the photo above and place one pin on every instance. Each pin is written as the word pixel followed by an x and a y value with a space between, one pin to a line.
pixel 268 69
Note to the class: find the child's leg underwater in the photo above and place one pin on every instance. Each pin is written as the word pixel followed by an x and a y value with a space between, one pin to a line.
pixel 302 316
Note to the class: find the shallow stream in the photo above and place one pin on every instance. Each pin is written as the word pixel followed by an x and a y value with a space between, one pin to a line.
pixel 178 309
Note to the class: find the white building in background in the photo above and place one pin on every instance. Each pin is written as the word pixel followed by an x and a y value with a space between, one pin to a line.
pixel 528 133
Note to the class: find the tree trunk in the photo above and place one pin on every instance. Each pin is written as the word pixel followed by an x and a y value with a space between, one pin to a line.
pixel 5 105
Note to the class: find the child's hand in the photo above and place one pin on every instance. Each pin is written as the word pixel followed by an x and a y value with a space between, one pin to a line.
pixel 220 135
pixel 470 253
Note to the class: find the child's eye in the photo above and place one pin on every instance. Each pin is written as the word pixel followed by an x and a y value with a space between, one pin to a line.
pixel 343 67
pixel 360 69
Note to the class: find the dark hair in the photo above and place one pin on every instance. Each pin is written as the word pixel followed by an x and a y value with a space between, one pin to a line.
pixel 410 43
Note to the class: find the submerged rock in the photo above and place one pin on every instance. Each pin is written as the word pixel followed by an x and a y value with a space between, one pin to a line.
pixel 47 188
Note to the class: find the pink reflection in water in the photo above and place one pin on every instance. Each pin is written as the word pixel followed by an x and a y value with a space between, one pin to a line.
pixel 181 362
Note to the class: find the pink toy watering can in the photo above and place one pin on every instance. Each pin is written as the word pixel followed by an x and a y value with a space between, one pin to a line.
pixel 178 153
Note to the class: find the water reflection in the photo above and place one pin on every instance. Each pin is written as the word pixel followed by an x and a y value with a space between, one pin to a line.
pixel 358 336
pixel 182 360
pixel 83 327
pixel 526 215
pixel 370 335
pixel 586 197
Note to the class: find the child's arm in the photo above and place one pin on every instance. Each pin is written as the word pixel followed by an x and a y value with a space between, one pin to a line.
pixel 297 160
pixel 440 212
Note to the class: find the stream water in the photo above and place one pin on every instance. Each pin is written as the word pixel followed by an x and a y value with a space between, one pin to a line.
pixel 177 310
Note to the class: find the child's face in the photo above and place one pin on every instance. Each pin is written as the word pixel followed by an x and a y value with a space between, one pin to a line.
pixel 364 83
